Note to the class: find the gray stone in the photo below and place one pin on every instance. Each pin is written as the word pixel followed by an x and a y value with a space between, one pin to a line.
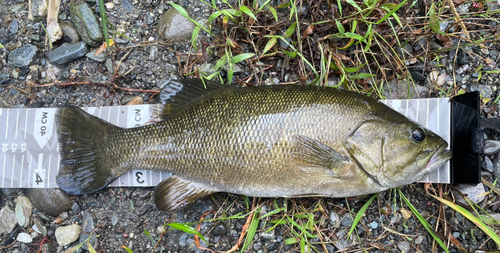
pixel 69 31
pixel 219 229
pixel 404 246
pixel 419 239
pixel 52 201
pixel 334 218
pixel 485 91
pixel 153 53
pixel 473 192
pixel 257 246
pixel 75 208
pixel 487 164
pixel 185 242
pixel 39 227
pixel 98 58
pixel 39 8
pixel 14 26
pixel 24 237
pixel 85 22
pixel 67 234
pixel 7 220
pixel 346 220
pixel 89 223
pixel 24 208
pixel 16 7
pixel 109 65
pixel 23 56
pixel 114 220
pixel 491 147
pixel 417 76
pixel 67 53
pixel 34 37
pixel 373 225
pixel 174 27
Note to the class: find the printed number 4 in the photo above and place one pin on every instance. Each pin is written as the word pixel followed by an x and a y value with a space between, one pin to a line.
pixel 38 179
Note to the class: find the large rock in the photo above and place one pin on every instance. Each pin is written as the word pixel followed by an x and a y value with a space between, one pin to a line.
pixel 23 56
pixel 7 220
pixel 67 53
pixel 52 201
pixel 174 27
pixel 85 22
pixel 67 234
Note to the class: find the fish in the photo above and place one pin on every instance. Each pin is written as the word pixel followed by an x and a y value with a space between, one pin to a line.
pixel 266 141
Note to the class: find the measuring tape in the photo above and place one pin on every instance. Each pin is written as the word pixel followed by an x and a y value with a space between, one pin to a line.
pixel 30 149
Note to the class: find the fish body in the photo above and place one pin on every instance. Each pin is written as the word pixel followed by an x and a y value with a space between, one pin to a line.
pixel 272 141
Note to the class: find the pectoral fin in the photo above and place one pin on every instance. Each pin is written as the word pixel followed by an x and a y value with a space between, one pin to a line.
pixel 175 192
pixel 313 156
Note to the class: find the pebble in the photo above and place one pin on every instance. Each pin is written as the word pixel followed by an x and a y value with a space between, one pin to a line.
pixel 346 220
pixel 23 56
pixel 85 23
pixel 67 53
pixel 219 229
pixel 98 58
pixel 417 76
pixel 114 220
pixel 334 218
pixel 473 192
pixel 7 220
pixel 67 234
pixel 257 246
pixel 39 227
pixel 153 53
pixel 24 208
pixel 52 201
pixel 75 208
pixel 420 239
pixel 404 246
pixel 39 8
pixel 172 26
pixel 487 164
pixel 491 147
pixel 88 226
pixel 69 31
pixel 14 26
pixel 24 237
pixel 373 225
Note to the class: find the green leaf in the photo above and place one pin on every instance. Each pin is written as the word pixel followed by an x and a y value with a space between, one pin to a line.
pixel 194 36
pixel 340 27
pixel 180 9
pixel 433 19
pixel 269 45
pixel 291 241
pixel 187 229
pixel 230 76
pixel 354 4
pixel 241 57
pixel 127 249
pixel 289 32
pixel 392 12
pixel 251 230
pixel 362 76
pixel 221 62
pixel 247 11
pixel 352 70
pixel 273 11
pixel 91 249
pixel 214 16
pixel 291 54
pixel 346 36
pixel 150 238
pixel 102 10
pixel 265 3
pixel 360 213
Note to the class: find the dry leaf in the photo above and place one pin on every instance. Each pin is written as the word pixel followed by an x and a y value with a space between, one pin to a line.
pixel 308 31
pixel 406 213
pixel 103 46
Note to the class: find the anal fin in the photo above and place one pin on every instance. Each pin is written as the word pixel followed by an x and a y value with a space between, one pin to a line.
pixel 175 193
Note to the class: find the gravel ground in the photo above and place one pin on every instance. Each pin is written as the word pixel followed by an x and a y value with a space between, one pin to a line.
pixel 120 216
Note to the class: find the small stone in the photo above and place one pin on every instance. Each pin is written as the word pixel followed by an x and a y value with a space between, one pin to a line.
pixel 39 227
pixel 67 234
pixel 7 220
pixel 136 101
pixel 67 53
pixel 24 208
pixel 404 246
pixel 334 218
pixel 491 147
pixel 487 164
pixel 24 237
pixel 52 201
pixel 160 229
pixel 109 65
pixel 419 239
pixel 101 57
pixel 455 234
pixel 153 53
pixel 69 31
pixel 346 220
pixel 114 220
pixel 373 225
pixel 85 22
pixel 257 246
pixel 110 6
pixel 75 208
pixel 34 37
pixel 38 8
pixel 88 226
pixel 17 7
pixel 417 76
pixel 174 27
pixel 14 26
pixel 73 71
pixel 23 56
pixel 474 192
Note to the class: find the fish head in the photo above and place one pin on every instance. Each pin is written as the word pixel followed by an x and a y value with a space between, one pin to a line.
pixel 396 152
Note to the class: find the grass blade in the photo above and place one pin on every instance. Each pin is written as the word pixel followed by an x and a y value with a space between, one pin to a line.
pixel 104 21
pixel 273 11
pixel 241 57
pixel 251 230
pixel 186 228
pixel 247 11
pixel 360 214
pixel 392 12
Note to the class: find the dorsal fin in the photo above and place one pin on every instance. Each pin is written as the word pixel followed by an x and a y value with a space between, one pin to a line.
pixel 178 94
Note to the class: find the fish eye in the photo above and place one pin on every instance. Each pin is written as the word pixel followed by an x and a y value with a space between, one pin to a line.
pixel 418 134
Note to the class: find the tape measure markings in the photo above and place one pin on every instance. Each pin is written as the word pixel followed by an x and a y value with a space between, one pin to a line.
pixel 7 126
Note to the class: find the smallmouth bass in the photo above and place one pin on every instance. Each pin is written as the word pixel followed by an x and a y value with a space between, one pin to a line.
pixel 269 141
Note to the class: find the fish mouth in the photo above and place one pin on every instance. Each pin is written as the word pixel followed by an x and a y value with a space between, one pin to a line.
pixel 441 156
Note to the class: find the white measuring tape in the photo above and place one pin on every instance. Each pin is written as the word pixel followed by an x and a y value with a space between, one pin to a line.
pixel 30 149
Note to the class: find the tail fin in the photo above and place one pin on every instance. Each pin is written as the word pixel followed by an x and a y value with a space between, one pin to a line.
pixel 85 166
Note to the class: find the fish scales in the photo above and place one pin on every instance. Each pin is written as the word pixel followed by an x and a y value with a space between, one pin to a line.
pixel 269 141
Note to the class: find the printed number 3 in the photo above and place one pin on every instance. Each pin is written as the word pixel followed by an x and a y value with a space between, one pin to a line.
pixel 138 175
